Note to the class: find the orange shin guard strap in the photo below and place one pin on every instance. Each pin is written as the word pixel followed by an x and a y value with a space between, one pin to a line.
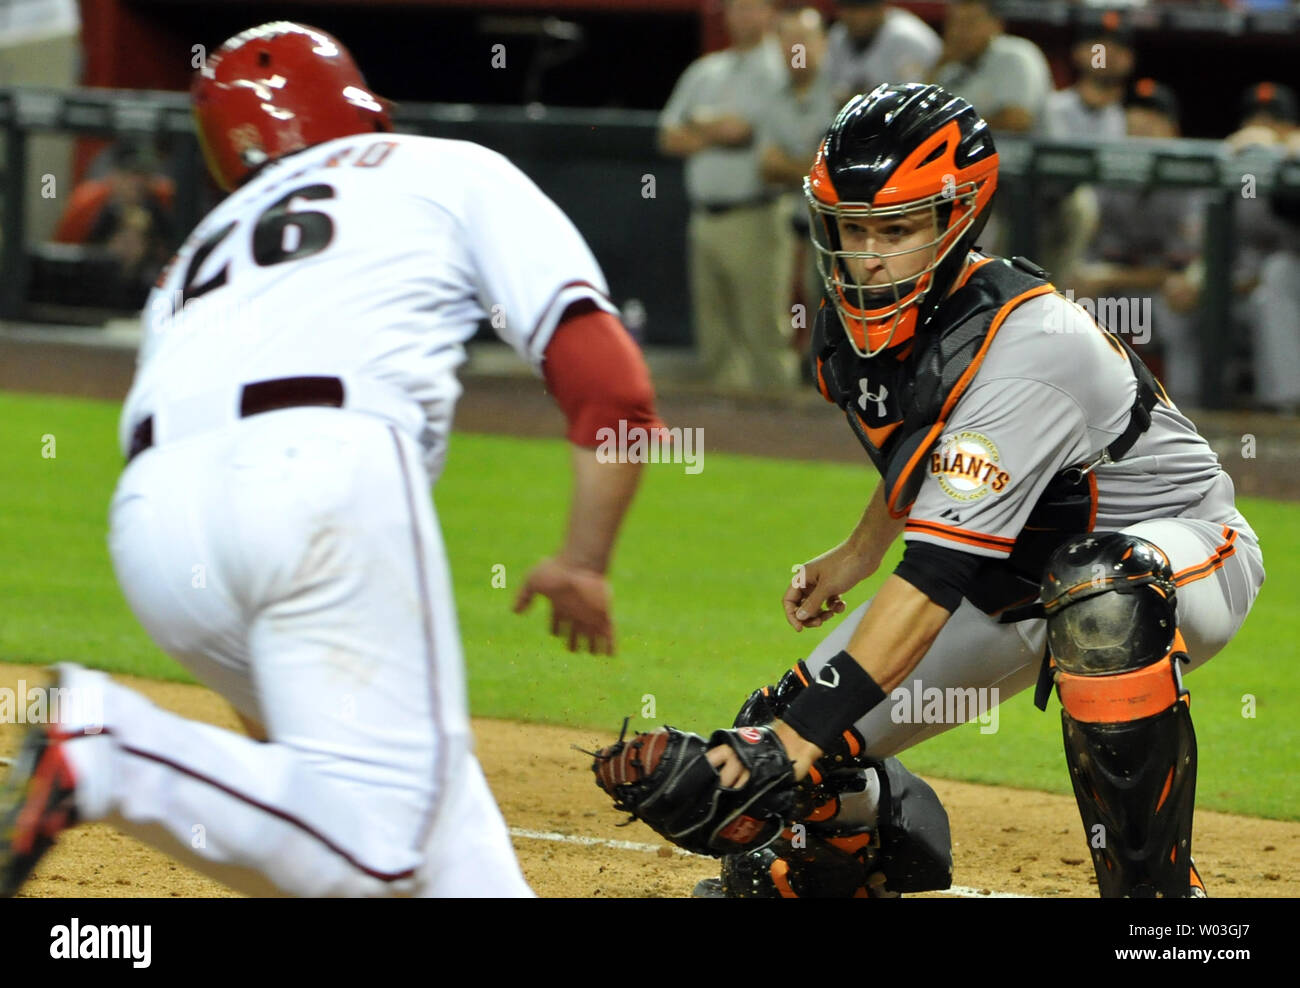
pixel 1125 696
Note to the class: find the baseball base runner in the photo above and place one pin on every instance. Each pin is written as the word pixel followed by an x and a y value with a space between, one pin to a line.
pixel 273 529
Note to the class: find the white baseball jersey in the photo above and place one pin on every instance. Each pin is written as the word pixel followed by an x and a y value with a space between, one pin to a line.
pixel 372 258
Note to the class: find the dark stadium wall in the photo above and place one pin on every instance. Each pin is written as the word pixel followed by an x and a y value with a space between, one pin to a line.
pixel 418 50
pixel 632 51
pixel 126 46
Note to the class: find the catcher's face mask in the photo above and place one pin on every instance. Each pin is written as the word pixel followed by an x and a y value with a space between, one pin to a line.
pixel 877 262
pixel 912 155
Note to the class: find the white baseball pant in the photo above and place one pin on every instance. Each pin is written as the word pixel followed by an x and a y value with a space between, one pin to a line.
pixel 292 561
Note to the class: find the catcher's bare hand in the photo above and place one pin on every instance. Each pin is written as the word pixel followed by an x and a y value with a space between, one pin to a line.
pixel 580 604
pixel 731 770
pixel 813 595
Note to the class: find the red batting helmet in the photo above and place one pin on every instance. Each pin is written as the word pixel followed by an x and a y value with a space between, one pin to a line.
pixel 276 89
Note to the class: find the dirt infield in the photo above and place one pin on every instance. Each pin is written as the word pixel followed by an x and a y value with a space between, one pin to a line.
pixel 1006 841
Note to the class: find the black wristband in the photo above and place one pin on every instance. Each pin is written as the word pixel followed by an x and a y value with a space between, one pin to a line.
pixel 842 693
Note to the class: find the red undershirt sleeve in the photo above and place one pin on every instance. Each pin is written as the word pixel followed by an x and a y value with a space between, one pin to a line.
pixel 597 374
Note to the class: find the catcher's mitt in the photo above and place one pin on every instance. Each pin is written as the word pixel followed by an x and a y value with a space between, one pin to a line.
pixel 664 778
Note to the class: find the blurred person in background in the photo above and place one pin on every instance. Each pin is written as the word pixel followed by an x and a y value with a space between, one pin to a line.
pixel 873 42
pixel 1274 310
pixel 1093 107
pixel 1263 244
pixel 1146 237
pixel 129 214
pixel 1091 110
pixel 788 135
pixel 1005 77
pixel 711 118
pixel 1152 111
pixel 1266 273
pixel 1270 113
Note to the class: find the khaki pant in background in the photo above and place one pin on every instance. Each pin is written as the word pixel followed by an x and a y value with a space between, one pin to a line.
pixel 740 295
pixel 1066 226
pixel 1275 308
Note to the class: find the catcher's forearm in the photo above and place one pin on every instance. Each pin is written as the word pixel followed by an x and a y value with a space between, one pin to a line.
pixel 896 631
pixel 876 530
pixel 602 493
pixel 894 634
pixel 799 749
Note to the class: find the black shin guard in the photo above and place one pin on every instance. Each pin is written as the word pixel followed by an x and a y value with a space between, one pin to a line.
pixel 1135 783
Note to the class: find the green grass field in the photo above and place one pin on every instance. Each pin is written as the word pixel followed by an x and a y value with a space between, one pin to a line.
pixel 698 579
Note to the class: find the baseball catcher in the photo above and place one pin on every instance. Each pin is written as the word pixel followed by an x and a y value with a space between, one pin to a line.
pixel 1064 525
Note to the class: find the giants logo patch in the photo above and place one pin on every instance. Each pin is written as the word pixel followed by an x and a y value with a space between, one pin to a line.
pixel 967 467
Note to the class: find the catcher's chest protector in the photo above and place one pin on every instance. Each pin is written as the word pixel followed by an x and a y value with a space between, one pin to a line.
pixel 898 405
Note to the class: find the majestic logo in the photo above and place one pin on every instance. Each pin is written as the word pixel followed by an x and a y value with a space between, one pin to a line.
pixel 751 734
pixel 968 467
pixel 866 396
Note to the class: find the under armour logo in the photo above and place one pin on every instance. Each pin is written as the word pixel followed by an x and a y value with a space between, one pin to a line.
pixel 879 397
pixel 831 683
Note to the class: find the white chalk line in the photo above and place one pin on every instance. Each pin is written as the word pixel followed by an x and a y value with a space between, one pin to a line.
pixel 961 891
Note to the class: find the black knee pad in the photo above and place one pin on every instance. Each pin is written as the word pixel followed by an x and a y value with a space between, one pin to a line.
pixel 1109 602
pixel 915 840
pixel 799 865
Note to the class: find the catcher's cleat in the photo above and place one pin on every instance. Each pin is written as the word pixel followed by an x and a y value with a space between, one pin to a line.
pixel 802 865
pixel 709 888
pixel 36 803
pixel 1198 886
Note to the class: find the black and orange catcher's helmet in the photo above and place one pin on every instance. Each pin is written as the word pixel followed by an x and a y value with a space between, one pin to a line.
pixel 891 152
pixel 276 89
